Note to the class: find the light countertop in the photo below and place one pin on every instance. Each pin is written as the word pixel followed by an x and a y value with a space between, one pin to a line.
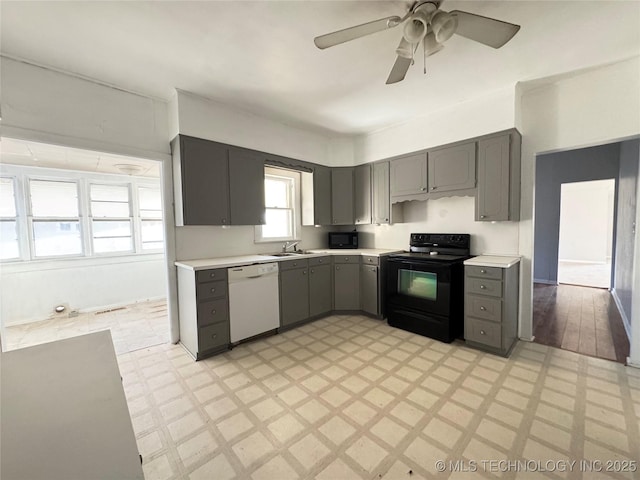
pixel 500 261
pixel 225 262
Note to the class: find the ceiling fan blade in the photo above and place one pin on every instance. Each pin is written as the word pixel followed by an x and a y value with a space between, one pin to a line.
pixel 351 33
pixel 485 30
pixel 399 70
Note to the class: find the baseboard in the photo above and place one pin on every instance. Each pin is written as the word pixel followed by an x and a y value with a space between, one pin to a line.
pixel 625 320
pixel 632 364
pixel 546 282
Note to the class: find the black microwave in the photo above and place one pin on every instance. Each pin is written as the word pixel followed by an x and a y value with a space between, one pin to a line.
pixel 343 240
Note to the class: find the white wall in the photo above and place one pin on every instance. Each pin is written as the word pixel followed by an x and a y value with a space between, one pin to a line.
pixel 31 291
pixel 581 109
pixel 50 107
pixel 586 221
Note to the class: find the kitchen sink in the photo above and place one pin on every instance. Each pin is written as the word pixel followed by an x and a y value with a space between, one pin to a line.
pixel 285 254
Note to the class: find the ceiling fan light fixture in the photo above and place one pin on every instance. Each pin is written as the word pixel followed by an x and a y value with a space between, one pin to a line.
pixel 405 49
pixel 416 27
pixel 444 25
pixel 431 45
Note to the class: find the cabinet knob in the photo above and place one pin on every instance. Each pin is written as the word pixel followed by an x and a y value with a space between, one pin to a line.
pixel 213 290
pixel 483 216
pixel 373 269
pixel 433 188
pixel 482 332
pixel 346 259
pixel 304 272
pixel 482 287
pixel 423 188
pixel 337 268
pixel 212 275
pixel 312 271
pixel 386 219
pixel 295 264
pixel 224 220
pixel 214 336
pixel 483 271
pixel 483 308
pixel 321 261
pixel 213 312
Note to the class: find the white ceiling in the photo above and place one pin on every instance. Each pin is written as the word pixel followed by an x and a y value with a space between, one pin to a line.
pixel 259 55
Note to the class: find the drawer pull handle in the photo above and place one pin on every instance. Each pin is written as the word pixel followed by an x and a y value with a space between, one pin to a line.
pixel 482 287
pixel 483 271
pixel 484 309
pixel 213 290
pixel 213 312
pixel 482 332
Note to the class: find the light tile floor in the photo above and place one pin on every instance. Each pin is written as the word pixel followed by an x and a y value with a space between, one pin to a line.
pixel 349 397
pixel 134 326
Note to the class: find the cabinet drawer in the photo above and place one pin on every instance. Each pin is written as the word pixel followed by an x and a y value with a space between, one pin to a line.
pixel 484 272
pixel 213 336
pixel 481 331
pixel 316 261
pixel 211 275
pixel 483 286
pixel 211 290
pixel 486 308
pixel 213 311
pixel 346 259
pixel 292 264
pixel 370 260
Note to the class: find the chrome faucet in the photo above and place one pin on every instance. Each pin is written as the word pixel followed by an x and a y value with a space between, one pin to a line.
pixel 288 245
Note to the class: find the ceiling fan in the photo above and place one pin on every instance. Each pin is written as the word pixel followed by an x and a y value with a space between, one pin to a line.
pixel 426 25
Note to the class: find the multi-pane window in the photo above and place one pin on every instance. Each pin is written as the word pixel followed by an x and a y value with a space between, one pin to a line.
pixel 9 247
pixel 55 218
pixel 150 207
pixel 111 224
pixel 279 203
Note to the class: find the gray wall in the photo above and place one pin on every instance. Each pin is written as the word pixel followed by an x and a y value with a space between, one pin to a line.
pixel 552 170
pixel 626 229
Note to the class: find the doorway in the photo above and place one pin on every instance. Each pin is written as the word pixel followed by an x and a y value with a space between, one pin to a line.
pixel 585 244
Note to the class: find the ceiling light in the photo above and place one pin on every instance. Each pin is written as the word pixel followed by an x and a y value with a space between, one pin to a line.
pixel 129 168
pixel 431 45
pixel 416 26
pixel 444 25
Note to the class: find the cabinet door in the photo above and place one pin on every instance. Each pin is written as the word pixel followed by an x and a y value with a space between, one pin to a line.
pixel 362 194
pixel 452 168
pixel 381 200
pixel 204 180
pixel 342 196
pixel 369 289
pixel 246 187
pixel 346 286
pixel 409 175
pixel 322 196
pixel 319 290
pixel 492 198
pixel 294 296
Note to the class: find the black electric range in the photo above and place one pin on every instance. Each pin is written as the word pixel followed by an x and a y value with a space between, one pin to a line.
pixel 425 286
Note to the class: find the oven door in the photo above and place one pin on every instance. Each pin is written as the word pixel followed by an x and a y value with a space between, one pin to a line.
pixel 419 286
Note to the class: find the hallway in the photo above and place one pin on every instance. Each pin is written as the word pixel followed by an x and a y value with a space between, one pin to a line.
pixel 580 319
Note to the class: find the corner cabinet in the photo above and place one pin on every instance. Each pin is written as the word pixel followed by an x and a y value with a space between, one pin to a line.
pixel 362 206
pixel 498 193
pixel 342 196
pixel 217 184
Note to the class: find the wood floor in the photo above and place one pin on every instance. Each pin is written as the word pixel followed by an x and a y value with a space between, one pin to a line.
pixel 581 319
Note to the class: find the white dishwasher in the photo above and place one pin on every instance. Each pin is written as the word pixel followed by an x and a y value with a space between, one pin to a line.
pixel 254 305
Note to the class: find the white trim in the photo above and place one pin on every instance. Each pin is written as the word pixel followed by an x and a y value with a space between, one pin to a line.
pixel 294 205
pixel 625 320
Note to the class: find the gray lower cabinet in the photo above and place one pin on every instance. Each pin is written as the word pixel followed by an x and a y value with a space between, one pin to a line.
pixel 498 193
pixel 408 178
pixel 491 308
pixel 294 292
pixel 203 303
pixel 452 169
pixel 362 206
pixel 346 282
pixel 342 196
pixel 369 300
pixel 320 292
pixel 381 201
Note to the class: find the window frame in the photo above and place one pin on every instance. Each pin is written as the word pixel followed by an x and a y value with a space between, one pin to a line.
pixel 22 176
pixel 91 218
pixel 16 219
pixel 140 218
pixel 293 177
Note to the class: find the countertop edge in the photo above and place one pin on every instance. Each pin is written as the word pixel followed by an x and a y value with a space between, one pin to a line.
pixel 499 261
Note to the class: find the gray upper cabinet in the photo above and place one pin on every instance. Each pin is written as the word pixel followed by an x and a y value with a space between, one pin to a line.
pixel 408 178
pixel 246 187
pixel 342 196
pixel 322 196
pixel 201 182
pixel 362 208
pixel 498 193
pixel 452 169
pixel 380 193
